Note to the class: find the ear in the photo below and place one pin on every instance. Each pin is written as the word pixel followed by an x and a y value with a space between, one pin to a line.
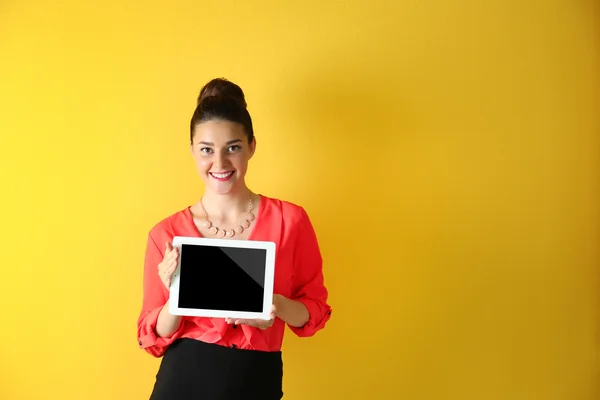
pixel 252 147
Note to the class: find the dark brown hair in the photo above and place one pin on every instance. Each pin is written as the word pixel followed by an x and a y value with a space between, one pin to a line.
pixel 224 100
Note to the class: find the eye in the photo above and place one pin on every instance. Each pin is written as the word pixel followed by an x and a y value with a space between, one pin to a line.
pixel 233 148
pixel 205 150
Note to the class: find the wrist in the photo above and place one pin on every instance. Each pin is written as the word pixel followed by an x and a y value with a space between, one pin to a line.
pixel 292 312
pixel 279 303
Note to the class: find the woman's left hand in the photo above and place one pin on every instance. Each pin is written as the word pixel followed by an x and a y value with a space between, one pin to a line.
pixel 257 323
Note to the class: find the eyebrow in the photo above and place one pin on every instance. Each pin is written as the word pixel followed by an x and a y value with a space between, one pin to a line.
pixel 228 143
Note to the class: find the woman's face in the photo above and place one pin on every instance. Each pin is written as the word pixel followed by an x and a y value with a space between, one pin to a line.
pixel 221 152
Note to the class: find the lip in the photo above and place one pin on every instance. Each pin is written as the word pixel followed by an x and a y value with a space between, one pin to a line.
pixel 221 173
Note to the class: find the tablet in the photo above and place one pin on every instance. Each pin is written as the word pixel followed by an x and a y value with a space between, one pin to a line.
pixel 223 278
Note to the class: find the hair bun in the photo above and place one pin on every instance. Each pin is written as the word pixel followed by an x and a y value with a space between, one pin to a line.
pixel 221 87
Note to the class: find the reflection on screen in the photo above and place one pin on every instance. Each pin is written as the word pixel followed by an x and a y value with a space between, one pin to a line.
pixel 222 278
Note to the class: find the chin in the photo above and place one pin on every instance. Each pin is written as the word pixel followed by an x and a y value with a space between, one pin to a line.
pixel 222 189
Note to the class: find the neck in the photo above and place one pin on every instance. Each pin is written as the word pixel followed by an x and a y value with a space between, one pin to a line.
pixel 227 206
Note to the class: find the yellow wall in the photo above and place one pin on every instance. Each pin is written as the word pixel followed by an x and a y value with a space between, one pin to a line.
pixel 447 152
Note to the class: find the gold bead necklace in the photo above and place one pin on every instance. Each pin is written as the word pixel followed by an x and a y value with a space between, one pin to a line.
pixel 221 233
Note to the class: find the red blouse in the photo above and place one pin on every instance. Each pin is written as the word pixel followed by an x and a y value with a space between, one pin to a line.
pixel 298 276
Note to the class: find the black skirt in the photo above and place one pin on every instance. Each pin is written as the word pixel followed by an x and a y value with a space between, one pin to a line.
pixel 191 369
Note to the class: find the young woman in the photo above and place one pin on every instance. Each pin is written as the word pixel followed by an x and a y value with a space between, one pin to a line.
pixel 216 358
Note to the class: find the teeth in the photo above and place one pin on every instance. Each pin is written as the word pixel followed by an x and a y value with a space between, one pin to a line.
pixel 222 176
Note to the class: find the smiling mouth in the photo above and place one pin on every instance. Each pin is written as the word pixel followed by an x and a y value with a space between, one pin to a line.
pixel 221 176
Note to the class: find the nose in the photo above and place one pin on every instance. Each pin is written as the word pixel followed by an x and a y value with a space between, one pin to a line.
pixel 220 161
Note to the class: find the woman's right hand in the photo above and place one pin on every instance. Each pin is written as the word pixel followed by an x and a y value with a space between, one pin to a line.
pixel 168 265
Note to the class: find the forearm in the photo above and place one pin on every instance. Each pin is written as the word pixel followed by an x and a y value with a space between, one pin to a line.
pixel 167 324
pixel 292 312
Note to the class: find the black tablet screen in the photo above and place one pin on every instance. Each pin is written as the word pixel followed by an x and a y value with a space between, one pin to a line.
pixel 222 278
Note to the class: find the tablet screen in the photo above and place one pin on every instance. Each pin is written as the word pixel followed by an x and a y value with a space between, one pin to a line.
pixel 222 278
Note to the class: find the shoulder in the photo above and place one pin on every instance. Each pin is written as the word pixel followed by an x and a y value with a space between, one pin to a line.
pixel 290 212
pixel 166 226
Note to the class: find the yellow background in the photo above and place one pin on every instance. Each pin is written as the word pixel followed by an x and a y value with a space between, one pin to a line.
pixel 447 152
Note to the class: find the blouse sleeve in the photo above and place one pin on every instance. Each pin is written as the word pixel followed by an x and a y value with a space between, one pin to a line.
pixel 308 282
pixel 154 298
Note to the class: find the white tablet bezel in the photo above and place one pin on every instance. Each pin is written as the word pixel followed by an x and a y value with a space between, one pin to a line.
pixel 174 309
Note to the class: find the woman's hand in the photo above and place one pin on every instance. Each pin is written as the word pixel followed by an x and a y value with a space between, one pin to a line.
pixel 168 265
pixel 256 323
pixel 167 324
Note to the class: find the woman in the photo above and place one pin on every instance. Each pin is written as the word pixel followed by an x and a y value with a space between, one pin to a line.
pixel 216 358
